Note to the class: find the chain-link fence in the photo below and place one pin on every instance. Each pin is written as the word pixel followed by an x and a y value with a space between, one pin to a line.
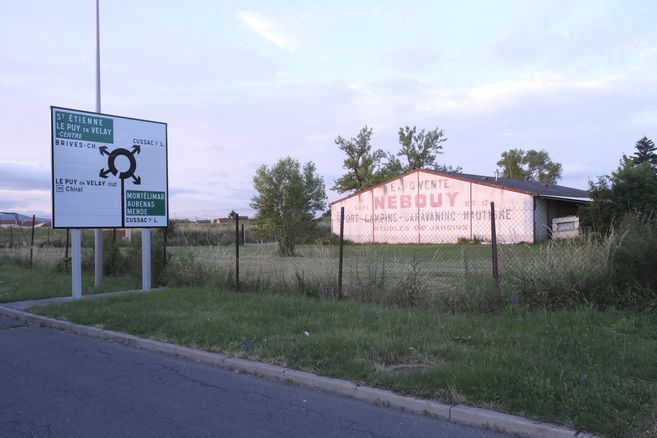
pixel 32 243
pixel 443 261
pixel 430 260
pixel 409 257
pixel 37 245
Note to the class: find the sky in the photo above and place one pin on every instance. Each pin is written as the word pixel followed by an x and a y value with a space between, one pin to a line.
pixel 244 83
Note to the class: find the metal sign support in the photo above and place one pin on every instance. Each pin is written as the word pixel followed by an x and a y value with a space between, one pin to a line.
pixel 98 232
pixel 145 259
pixel 76 264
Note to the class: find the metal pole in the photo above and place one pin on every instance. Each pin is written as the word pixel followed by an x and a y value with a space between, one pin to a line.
pixel 145 259
pixel 76 264
pixel 237 251
pixel 66 250
pixel 32 240
pixel 98 233
pixel 97 56
pixel 341 256
pixel 493 232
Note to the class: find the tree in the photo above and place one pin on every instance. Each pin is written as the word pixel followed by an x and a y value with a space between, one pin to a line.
pixel 361 163
pixel 632 188
pixel 419 148
pixel 645 152
pixel 599 214
pixel 288 199
pixel 511 164
pixel 365 168
pixel 531 165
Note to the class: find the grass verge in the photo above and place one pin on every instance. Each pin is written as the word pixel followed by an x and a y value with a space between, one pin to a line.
pixel 18 283
pixel 584 368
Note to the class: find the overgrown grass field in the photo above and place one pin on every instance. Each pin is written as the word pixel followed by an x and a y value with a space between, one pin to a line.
pixel 19 283
pixel 585 368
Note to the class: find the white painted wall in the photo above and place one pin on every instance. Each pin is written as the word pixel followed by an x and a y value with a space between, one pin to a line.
pixel 423 207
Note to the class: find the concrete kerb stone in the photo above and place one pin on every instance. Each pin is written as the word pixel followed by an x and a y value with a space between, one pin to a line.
pixel 507 423
pixel 215 359
pixel 255 368
pixel 328 384
pixel 388 398
pixel 478 417
pixel 437 409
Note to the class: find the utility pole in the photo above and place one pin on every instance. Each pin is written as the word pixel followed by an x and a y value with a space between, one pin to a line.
pixel 98 232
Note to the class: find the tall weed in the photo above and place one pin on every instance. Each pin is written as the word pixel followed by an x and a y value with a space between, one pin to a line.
pixel 611 270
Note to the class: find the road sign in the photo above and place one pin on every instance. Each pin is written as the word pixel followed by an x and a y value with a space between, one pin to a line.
pixel 108 171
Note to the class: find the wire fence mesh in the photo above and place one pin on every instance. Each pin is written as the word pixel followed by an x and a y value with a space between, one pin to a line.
pixel 412 257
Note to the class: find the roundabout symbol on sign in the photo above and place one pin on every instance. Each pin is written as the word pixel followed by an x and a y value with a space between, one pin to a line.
pixel 111 163
pixel 122 174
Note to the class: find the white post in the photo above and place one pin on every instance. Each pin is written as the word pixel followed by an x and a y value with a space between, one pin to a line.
pixel 98 233
pixel 76 264
pixel 145 259
pixel 98 257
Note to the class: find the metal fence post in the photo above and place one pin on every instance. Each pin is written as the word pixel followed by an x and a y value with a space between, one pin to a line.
pixel 493 233
pixel 237 251
pixel 341 256
pixel 32 240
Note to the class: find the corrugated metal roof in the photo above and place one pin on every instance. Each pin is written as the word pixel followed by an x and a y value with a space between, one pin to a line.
pixel 529 187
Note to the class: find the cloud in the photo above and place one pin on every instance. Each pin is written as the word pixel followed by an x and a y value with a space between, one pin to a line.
pixel 25 201
pixel 24 175
pixel 267 29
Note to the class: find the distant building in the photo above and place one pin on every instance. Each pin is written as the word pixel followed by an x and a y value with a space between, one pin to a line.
pixel 231 220
pixel 424 206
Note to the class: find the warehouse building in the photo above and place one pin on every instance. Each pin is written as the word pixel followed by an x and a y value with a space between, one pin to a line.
pixel 425 206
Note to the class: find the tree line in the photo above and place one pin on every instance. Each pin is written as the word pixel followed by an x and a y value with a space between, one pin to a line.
pixel 631 188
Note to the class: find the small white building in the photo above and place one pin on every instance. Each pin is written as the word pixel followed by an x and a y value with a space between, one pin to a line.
pixel 425 206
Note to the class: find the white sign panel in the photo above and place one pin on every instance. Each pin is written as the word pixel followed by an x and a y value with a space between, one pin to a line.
pixel 108 171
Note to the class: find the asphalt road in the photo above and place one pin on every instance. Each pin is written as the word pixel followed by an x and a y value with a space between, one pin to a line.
pixel 54 384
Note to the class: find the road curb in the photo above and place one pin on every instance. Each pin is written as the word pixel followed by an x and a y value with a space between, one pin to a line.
pixel 467 415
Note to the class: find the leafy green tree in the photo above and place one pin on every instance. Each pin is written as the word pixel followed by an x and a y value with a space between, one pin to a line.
pixel 288 199
pixel 599 214
pixel 531 165
pixel 511 164
pixel 448 168
pixel 419 148
pixel 362 164
pixel 540 168
pixel 632 188
pixel 645 152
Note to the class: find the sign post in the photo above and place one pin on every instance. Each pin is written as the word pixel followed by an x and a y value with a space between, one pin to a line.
pixel 98 232
pixel 108 172
pixel 76 264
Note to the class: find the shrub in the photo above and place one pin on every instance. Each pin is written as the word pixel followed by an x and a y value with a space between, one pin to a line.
pixel 615 269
